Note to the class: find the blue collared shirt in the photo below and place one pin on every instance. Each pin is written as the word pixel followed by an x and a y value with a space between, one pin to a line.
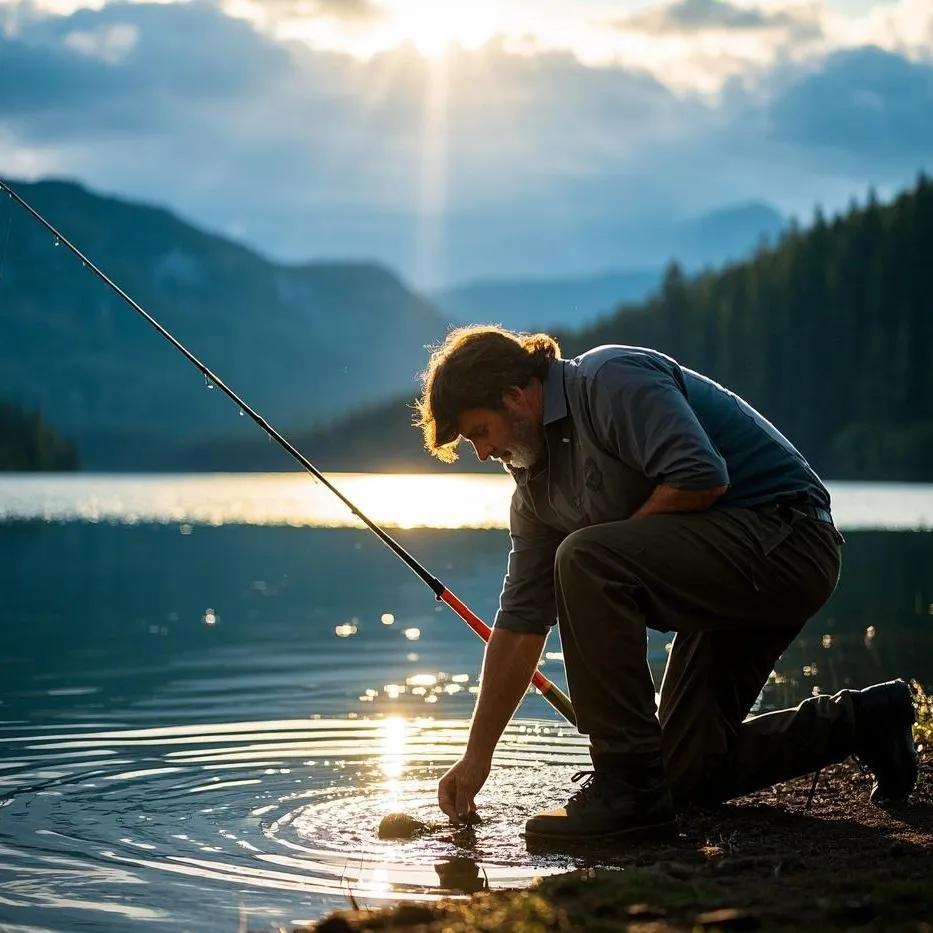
pixel 619 421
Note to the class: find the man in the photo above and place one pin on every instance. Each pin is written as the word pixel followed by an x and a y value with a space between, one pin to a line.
pixel 649 496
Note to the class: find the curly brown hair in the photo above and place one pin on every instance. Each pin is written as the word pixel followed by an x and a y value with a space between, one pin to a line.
pixel 473 368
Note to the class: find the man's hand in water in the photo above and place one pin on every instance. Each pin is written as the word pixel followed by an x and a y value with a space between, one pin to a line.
pixel 460 785
pixel 508 664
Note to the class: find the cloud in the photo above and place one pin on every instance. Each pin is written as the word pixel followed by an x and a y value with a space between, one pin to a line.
pixel 485 162
pixel 703 44
pixel 698 15
pixel 349 9
pixel 866 105
pixel 353 11
pixel 110 44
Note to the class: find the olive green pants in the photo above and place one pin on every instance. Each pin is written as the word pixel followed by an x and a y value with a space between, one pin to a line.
pixel 736 585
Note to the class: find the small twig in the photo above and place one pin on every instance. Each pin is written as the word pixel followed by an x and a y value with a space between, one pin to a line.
pixel 351 897
pixel 816 777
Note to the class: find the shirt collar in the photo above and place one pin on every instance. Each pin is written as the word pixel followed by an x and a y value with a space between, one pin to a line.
pixel 555 401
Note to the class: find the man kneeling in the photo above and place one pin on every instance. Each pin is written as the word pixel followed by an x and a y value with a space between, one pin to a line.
pixel 648 496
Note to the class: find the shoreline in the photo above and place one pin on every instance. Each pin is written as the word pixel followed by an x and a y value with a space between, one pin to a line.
pixel 761 862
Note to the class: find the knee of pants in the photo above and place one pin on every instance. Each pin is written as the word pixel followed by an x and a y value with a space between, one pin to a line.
pixel 586 551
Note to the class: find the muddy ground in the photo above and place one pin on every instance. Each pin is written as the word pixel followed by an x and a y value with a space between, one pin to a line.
pixel 761 862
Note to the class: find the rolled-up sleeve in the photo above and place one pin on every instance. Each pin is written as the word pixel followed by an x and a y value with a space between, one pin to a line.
pixel 526 604
pixel 641 413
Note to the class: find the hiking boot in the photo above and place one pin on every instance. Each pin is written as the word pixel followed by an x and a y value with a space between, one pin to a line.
pixel 884 739
pixel 627 804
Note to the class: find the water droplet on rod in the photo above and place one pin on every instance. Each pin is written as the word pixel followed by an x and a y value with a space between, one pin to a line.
pixel 207 382
pixel 241 412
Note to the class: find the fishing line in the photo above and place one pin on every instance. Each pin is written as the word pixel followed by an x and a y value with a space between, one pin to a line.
pixel 551 692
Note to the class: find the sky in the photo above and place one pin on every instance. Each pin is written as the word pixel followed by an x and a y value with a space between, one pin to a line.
pixel 460 140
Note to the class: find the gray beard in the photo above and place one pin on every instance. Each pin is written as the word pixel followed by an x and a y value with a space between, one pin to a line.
pixel 527 442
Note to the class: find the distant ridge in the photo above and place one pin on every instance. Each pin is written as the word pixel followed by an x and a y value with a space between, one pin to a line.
pixel 302 343
pixel 536 304
pixel 567 302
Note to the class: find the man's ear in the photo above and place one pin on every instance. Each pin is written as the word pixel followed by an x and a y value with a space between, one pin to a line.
pixel 518 399
pixel 513 401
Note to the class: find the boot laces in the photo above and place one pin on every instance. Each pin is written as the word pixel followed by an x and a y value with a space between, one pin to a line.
pixel 588 788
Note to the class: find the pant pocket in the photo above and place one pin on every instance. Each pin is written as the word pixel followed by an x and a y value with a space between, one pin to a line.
pixel 767 529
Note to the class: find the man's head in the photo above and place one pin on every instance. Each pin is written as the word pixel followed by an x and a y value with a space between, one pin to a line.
pixel 484 383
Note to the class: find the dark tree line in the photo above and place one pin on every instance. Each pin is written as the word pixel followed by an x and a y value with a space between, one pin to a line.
pixel 829 333
pixel 28 443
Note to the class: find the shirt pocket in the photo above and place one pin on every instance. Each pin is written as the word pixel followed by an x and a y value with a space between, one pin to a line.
pixel 608 489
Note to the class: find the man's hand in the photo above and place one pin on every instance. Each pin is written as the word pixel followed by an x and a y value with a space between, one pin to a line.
pixel 460 785
pixel 508 664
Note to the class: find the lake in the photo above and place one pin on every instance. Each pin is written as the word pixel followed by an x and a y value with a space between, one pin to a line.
pixel 214 686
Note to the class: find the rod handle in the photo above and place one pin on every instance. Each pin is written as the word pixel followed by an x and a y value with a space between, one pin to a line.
pixel 560 702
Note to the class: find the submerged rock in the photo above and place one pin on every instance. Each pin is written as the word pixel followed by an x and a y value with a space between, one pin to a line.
pixel 405 826
pixel 401 826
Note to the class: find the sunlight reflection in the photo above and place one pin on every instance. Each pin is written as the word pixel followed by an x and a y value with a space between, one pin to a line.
pixel 393 500
pixel 378 881
pixel 392 757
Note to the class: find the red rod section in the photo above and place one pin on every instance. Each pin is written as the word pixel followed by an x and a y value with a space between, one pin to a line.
pixel 551 692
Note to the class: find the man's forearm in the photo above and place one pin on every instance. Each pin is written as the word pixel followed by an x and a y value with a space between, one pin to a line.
pixel 670 499
pixel 508 666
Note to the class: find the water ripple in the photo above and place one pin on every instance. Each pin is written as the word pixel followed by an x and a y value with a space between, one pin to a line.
pixel 254 811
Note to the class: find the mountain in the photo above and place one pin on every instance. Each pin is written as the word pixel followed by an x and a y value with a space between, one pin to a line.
pixel 300 343
pixel 725 235
pixel 829 333
pixel 542 304
pixel 728 234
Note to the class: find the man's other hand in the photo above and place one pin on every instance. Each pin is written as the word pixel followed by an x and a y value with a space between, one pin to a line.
pixel 460 785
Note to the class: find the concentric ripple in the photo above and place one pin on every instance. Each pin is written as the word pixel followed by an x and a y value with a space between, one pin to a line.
pixel 279 817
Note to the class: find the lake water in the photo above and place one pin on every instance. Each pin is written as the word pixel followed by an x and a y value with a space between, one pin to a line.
pixel 184 733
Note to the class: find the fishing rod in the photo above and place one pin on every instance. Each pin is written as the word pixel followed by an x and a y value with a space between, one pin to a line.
pixel 550 691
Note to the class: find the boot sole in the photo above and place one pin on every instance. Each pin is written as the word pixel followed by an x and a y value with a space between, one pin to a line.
pixel 653 832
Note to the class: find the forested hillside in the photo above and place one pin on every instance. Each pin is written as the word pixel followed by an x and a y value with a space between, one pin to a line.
pixel 829 333
pixel 28 443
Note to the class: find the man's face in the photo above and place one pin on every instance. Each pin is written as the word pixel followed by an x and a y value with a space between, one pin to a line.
pixel 510 435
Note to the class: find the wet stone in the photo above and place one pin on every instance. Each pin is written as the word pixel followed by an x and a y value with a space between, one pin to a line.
pixel 412 914
pixel 334 924
pixel 728 918
pixel 645 912
pixel 401 826
pixel 677 870
pixel 405 826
